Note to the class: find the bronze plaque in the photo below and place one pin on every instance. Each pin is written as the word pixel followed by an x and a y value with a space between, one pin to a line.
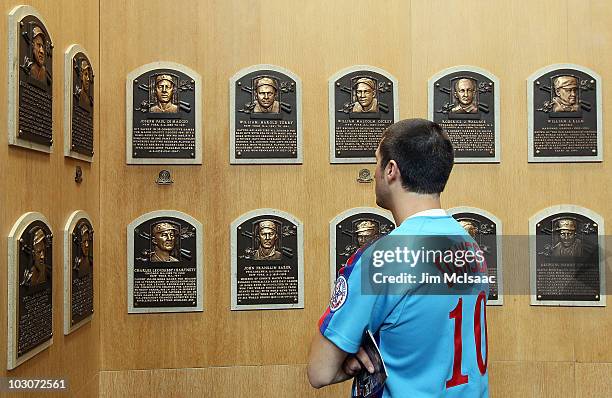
pixel 164 263
pixel 80 105
pixel 81 304
pixel 566 258
pixel 464 100
pixel 31 288
pixel 353 229
pixel 32 55
pixel 265 116
pixel 363 103
pixel 267 263
pixel 486 231
pixel 565 115
pixel 163 115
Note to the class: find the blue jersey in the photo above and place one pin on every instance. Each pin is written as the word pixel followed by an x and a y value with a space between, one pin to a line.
pixel 433 345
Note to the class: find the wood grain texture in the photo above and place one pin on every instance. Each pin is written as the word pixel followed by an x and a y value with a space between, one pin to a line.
pixel 531 379
pixel 33 181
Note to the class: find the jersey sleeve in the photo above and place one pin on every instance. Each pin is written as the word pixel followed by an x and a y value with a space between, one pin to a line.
pixel 351 312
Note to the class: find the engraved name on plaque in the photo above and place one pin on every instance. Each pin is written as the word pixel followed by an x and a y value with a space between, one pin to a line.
pixel 265 116
pixel 267 261
pixel 165 263
pixel 78 104
pixel 30 287
pixel 353 229
pixel 565 114
pixel 30 80
pixel 566 251
pixel 464 100
pixel 163 116
pixel 363 102
pixel 78 271
pixel 486 229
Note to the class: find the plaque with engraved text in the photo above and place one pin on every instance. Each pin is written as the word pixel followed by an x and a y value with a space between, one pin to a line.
pixel 30 80
pixel 30 288
pixel 486 229
pixel 265 116
pixel 565 114
pixel 165 263
pixel 267 263
pixel 78 271
pixel 353 229
pixel 79 104
pixel 464 100
pixel 567 257
pixel 363 102
pixel 163 115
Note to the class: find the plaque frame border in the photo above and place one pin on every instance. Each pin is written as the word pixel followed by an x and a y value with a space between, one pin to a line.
pixel 332 233
pixel 13 291
pixel 70 52
pixel 232 113
pixel 530 116
pixel 496 104
pixel 234 306
pixel 199 262
pixel 129 109
pixel 15 15
pixel 499 246
pixel 69 226
pixel 566 208
pixel 331 104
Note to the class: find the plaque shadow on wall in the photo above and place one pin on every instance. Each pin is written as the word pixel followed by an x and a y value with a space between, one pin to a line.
pixel 350 230
pixel 30 81
pixel 165 263
pixel 163 115
pixel 265 116
pixel 486 229
pixel 78 271
pixel 567 257
pixel 30 288
pixel 78 104
pixel 464 100
pixel 565 121
pixel 363 102
pixel 267 264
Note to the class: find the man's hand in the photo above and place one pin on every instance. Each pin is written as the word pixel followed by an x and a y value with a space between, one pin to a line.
pixel 354 363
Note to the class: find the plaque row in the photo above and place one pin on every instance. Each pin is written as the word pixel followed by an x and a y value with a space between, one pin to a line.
pixel 165 263
pixel 164 108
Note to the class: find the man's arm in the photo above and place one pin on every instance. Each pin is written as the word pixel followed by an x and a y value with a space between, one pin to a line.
pixel 328 364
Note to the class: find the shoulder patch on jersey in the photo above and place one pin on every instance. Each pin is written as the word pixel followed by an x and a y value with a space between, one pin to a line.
pixel 339 295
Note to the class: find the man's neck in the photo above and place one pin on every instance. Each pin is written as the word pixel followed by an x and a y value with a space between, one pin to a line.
pixel 409 203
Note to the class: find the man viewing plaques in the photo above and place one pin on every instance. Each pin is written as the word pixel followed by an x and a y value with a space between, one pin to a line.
pixel 362 103
pixel 78 271
pixel 267 263
pixel 567 257
pixel 353 229
pixel 265 116
pixel 565 114
pixel 164 115
pixel 465 101
pixel 30 304
pixel 486 229
pixel 165 268
pixel 30 81
pixel 79 108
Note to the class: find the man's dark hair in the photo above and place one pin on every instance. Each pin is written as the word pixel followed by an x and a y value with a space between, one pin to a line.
pixel 423 152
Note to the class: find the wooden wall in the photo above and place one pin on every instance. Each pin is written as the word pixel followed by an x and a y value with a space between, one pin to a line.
pixel 35 181
pixel 535 351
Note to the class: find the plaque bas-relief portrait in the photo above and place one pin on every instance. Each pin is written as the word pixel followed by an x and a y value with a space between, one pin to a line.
pixel 40 269
pixel 40 49
pixel 83 89
pixel 164 242
pixel 465 94
pixel 163 93
pixel 83 240
pixel 266 241
pixel 364 96
pixel 266 95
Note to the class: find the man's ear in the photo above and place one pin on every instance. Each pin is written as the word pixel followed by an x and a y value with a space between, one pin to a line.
pixel 392 171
